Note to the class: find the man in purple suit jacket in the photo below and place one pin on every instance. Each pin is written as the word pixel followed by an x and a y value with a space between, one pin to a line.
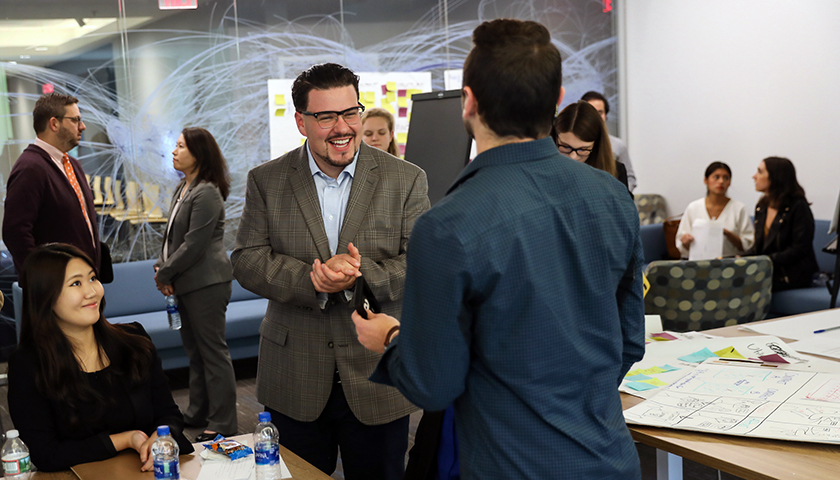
pixel 41 203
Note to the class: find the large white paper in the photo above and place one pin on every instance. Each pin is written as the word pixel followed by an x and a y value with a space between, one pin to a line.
pixel 708 240
pixel 801 327
pixel 227 470
pixel 825 344
pixel 755 401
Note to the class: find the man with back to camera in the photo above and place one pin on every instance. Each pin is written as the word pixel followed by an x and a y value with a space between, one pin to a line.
pixel 620 152
pixel 314 220
pixel 523 300
pixel 47 196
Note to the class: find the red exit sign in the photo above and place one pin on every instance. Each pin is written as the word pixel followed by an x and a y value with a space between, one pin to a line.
pixel 177 4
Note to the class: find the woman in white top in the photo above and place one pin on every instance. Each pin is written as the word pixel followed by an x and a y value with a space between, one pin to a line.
pixel 738 230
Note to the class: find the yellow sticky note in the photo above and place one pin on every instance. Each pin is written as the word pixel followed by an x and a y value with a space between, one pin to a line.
pixel 369 97
pixel 402 137
pixel 402 102
pixel 729 352
pixel 412 91
pixel 655 382
pixel 651 371
pixel 280 112
pixel 303 140
pixel 388 106
pixel 645 285
pixel 280 99
pixel 633 373
pixel 391 96
pixel 391 86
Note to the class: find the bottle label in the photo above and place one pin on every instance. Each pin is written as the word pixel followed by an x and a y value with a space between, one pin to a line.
pixel 267 456
pixel 167 470
pixel 16 466
pixel 172 309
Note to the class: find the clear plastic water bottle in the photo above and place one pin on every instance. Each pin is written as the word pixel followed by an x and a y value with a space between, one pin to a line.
pixel 267 449
pixel 15 456
pixel 165 455
pixel 172 313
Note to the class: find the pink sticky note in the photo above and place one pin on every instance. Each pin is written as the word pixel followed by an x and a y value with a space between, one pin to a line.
pixel 401 93
pixel 774 358
pixel 403 112
pixel 384 89
pixel 402 149
pixel 666 336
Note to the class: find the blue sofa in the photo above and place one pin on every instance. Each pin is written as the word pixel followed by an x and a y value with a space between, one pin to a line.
pixel 132 297
pixel 790 302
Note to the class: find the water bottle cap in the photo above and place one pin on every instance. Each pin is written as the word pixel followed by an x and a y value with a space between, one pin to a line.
pixel 12 434
pixel 163 430
pixel 264 417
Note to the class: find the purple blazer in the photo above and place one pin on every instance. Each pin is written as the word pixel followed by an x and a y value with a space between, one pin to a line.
pixel 42 207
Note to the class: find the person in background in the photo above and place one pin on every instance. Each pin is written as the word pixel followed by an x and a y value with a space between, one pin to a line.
pixel 47 196
pixel 619 149
pixel 81 389
pixel 738 231
pixel 194 267
pixel 784 225
pixel 495 303
pixel 378 130
pixel 580 134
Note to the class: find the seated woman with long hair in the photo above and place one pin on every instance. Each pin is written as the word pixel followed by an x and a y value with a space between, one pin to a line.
pixel 784 225
pixel 738 232
pixel 580 133
pixel 80 388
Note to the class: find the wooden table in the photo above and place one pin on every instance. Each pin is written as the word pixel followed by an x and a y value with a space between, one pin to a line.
pixel 125 466
pixel 749 458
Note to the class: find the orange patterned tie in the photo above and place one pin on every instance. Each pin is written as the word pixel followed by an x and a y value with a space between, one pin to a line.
pixel 71 175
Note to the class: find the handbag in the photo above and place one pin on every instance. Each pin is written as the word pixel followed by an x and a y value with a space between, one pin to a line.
pixel 106 267
pixel 670 227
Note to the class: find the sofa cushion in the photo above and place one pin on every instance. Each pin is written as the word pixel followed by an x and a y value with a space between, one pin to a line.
pixel 653 242
pixel 800 300
pixel 133 290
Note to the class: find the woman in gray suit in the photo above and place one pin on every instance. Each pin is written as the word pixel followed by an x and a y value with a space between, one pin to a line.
pixel 194 266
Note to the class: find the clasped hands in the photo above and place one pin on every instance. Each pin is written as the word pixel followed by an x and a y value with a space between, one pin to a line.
pixel 338 273
pixel 166 290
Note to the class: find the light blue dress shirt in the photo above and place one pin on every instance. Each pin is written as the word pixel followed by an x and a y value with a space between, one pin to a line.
pixel 333 195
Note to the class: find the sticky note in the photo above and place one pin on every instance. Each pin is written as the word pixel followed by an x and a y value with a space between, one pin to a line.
pixel 402 149
pixel 698 356
pixel 638 378
pixel 774 358
pixel 668 368
pixel 403 112
pixel 369 97
pixel 280 99
pixel 402 102
pixel 640 386
pixel 401 92
pixel 655 382
pixel 392 86
pixel 303 140
pixel 662 336
pixel 728 352
pixel 280 112
pixel 402 137
pixel 384 89
pixel 632 373
pixel 412 91
pixel 645 285
pixel 391 97
pixel 651 371
pixel 387 106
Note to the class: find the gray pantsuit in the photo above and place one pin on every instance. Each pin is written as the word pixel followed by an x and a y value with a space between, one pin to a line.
pixel 199 269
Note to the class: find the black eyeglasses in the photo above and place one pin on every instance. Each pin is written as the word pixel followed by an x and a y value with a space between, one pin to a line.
pixel 76 120
pixel 582 152
pixel 328 119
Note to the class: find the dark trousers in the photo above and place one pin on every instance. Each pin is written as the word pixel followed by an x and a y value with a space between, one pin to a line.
pixel 368 452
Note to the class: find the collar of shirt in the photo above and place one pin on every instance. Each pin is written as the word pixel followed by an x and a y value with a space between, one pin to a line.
pixel 55 154
pixel 333 195
pixel 316 171
pixel 509 153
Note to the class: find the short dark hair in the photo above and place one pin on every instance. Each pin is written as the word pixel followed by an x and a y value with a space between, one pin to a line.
pixel 582 120
pixel 714 166
pixel 323 76
pixel 783 184
pixel 593 95
pixel 49 106
pixel 211 163
pixel 515 74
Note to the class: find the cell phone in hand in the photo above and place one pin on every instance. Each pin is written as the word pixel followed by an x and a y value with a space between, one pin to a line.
pixel 363 299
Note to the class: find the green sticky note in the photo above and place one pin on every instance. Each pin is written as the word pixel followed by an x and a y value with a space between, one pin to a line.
pixel 280 112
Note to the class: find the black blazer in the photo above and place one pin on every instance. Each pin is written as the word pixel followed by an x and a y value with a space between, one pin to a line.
pixel 44 424
pixel 789 244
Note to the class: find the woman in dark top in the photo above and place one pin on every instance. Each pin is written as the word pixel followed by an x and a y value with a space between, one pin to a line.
pixel 80 389
pixel 784 225
pixel 580 133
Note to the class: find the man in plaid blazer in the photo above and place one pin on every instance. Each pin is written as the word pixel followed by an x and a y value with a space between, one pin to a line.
pixel 314 220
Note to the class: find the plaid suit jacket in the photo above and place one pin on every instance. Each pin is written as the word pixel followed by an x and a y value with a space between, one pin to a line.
pixel 281 233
